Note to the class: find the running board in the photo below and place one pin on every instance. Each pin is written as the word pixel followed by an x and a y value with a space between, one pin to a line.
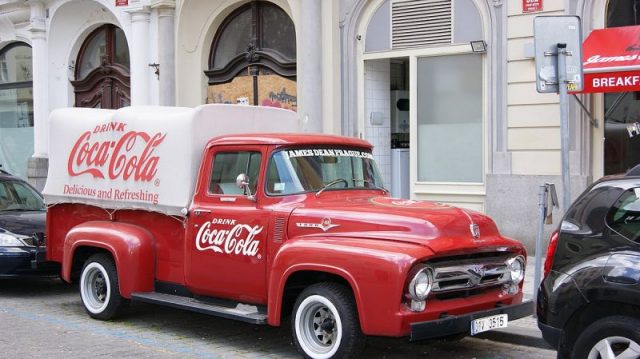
pixel 231 310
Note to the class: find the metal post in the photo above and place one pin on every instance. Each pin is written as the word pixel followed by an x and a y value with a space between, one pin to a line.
pixel 564 125
pixel 542 212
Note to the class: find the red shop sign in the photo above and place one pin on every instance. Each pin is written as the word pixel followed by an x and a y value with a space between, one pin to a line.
pixel 122 2
pixel 531 6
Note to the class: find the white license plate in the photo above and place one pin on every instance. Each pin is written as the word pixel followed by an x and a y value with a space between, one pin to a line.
pixel 489 323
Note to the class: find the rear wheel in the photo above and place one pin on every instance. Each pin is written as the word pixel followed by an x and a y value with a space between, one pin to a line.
pixel 615 337
pixel 325 322
pixel 99 288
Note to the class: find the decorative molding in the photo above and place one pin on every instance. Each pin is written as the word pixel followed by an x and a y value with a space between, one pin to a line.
pixel 497 3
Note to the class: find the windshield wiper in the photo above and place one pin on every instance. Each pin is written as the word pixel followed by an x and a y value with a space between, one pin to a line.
pixel 335 181
pixel 373 184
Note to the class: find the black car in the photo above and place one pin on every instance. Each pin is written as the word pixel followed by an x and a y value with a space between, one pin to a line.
pixel 22 216
pixel 588 304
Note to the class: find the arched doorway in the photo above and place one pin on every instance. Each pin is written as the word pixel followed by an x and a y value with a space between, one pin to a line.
pixel 253 58
pixel 621 151
pixel 416 65
pixel 102 70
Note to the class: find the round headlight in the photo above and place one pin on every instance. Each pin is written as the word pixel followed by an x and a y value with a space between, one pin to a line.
pixel 421 284
pixel 516 267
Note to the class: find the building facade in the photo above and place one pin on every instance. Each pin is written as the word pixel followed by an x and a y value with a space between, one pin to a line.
pixel 449 122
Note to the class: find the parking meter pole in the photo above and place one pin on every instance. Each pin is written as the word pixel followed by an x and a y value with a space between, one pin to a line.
pixel 564 125
pixel 542 212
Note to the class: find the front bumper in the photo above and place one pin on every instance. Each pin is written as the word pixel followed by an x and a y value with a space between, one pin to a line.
pixel 462 323
pixel 551 334
pixel 25 261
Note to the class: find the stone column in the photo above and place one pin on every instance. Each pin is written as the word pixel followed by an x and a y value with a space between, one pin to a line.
pixel 140 70
pixel 38 163
pixel 166 55
pixel 310 65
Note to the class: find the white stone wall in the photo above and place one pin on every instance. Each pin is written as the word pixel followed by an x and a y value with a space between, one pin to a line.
pixel 533 118
pixel 377 99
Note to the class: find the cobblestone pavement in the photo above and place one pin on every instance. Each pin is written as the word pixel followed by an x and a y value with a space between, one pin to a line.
pixel 44 318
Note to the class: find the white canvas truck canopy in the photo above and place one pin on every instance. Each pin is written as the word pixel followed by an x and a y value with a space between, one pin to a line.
pixel 143 157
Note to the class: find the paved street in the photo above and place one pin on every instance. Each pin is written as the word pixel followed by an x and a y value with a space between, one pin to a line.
pixel 44 318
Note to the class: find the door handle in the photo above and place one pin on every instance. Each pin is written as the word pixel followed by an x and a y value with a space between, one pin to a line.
pixel 200 211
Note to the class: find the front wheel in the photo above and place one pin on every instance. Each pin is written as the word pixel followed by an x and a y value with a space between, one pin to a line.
pixel 325 323
pixel 99 288
pixel 615 337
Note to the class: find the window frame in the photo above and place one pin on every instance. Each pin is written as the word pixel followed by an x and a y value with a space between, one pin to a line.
pixel 211 166
pixel 255 55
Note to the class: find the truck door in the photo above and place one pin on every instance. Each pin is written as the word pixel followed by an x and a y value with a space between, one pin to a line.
pixel 227 229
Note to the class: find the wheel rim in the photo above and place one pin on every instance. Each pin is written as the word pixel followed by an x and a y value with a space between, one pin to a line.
pixel 95 288
pixel 615 348
pixel 318 327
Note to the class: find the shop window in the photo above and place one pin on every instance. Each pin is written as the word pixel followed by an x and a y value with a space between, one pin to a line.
pixel 102 70
pixel 450 140
pixel 16 108
pixel 621 151
pixel 253 58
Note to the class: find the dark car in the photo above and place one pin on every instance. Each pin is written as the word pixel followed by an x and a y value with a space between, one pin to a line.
pixel 588 304
pixel 22 216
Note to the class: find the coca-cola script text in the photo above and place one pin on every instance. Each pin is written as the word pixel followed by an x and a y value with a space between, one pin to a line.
pixel 240 239
pixel 132 156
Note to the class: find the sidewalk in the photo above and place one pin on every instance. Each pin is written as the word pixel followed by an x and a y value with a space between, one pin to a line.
pixel 522 331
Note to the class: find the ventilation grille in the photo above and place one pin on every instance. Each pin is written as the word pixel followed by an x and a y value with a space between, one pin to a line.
pixel 278 229
pixel 420 23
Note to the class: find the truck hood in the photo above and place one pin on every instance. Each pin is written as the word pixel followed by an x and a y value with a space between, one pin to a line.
pixel 440 227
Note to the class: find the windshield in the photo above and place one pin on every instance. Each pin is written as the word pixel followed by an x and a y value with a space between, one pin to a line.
pixel 310 170
pixel 17 196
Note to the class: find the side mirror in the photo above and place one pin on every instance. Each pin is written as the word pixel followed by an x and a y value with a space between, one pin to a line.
pixel 242 181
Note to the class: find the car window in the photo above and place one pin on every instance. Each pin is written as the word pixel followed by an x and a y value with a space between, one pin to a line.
pixel 15 195
pixel 309 170
pixel 589 211
pixel 624 216
pixel 226 168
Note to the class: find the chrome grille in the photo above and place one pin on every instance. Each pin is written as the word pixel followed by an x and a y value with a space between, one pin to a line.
pixel 449 278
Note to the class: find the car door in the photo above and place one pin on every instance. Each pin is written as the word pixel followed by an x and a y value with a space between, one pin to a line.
pixel 227 233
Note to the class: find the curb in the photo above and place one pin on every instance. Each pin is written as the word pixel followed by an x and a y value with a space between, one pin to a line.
pixel 518 335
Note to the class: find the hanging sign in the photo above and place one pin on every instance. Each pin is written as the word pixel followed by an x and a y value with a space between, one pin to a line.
pixel 531 6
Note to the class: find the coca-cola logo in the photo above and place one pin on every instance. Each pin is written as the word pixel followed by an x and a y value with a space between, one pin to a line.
pixel 130 156
pixel 235 238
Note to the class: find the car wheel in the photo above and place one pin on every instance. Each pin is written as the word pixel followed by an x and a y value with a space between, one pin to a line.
pixel 325 323
pixel 99 288
pixel 609 338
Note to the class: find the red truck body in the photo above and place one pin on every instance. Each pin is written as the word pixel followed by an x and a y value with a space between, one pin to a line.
pixel 262 248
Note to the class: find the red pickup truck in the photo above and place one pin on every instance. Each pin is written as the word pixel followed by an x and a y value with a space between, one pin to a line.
pixel 144 206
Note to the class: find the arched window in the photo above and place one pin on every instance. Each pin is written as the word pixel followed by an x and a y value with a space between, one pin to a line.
pixel 102 70
pixel 621 152
pixel 253 58
pixel 16 108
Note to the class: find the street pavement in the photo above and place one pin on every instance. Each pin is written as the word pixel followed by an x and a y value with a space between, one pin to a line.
pixel 44 318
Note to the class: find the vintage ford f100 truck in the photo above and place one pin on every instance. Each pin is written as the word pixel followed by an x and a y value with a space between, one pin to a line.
pixel 218 210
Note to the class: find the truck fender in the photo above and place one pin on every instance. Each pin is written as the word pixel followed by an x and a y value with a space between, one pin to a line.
pixel 131 247
pixel 366 271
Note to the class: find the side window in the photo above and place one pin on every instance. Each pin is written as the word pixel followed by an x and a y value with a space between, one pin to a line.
pixel 624 216
pixel 228 165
